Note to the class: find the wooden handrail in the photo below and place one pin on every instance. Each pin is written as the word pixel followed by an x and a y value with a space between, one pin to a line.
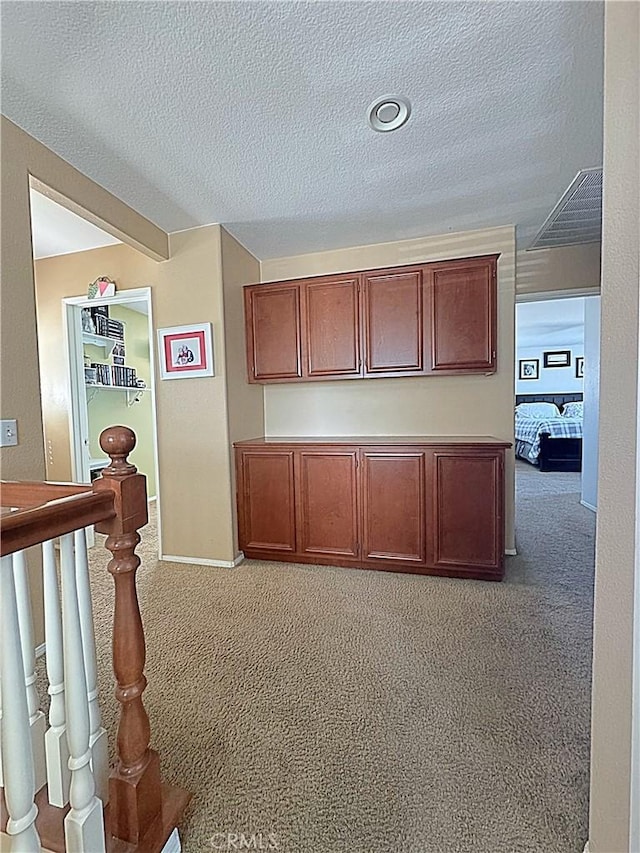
pixel 27 527
pixel 26 493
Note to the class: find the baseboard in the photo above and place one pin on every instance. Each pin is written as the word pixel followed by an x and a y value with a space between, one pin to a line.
pixel 199 561
pixel 593 509
pixel 511 552
pixel 41 650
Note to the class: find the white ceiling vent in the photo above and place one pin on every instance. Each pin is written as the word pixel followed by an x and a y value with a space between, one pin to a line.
pixel 577 217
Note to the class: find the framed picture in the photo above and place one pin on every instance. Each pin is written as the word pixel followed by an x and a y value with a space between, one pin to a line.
pixel 186 351
pixel 529 368
pixel 580 367
pixel 560 358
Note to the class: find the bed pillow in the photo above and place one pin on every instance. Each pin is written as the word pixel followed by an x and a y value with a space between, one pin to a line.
pixel 538 410
pixel 573 410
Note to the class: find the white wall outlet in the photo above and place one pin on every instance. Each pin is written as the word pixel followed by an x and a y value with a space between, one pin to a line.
pixel 8 433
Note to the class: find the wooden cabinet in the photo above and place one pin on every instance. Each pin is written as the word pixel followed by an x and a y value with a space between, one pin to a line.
pixel 415 505
pixel 273 332
pixel 393 505
pixel 467 517
pixel 461 298
pixel 392 322
pixel 266 500
pixel 327 502
pixel 331 326
pixel 405 321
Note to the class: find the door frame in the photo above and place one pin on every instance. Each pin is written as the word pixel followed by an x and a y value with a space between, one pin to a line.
pixel 78 419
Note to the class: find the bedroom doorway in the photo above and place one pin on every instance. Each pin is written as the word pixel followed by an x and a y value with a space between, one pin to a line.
pixel 557 389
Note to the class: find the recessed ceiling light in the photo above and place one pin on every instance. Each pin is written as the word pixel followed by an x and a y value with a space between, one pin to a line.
pixel 389 113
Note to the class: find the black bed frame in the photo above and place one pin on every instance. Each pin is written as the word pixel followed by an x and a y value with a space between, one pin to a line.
pixel 557 454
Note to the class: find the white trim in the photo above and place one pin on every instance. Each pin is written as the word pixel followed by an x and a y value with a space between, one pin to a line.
pixel 544 295
pixel 634 794
pixel 511 552
pixel 152 499
pixel 586 848
pixel 200 561
pixel 122 297
pixel 41 650
pixel 589 506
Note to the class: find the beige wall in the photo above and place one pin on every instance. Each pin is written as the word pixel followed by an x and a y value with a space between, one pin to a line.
pixel 616 528
pixel 21 155
pixel 463 405
pixel 193 439
pixel 570 268
pixel 245 402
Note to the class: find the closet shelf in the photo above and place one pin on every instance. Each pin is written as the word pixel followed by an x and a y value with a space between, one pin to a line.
pixel 100 341
pixel 134 395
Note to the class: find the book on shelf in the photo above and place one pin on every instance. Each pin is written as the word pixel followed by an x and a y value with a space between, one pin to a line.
pixel 114 375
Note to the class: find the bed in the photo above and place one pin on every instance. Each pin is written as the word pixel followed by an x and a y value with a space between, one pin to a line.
pixel 549 435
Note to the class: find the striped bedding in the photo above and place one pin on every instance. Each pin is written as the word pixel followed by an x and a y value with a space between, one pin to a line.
pixel 528 432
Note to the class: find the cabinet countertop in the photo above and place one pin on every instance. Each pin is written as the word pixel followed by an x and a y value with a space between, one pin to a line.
pixel 377 440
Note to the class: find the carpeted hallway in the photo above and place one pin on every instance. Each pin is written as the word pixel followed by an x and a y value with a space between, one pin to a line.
pixel 343 710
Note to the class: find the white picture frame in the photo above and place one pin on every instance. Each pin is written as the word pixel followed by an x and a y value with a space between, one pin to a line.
pixel 186 352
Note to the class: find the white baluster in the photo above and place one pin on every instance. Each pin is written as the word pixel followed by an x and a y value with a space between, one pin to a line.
pixel 16 733
pixel 36 717
pixel 98 736
pixel 84 825
pixel 55 740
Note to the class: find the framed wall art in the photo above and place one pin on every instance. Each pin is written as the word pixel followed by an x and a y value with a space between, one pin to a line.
pixel 559 358
pixel 529 368
pixel 186 351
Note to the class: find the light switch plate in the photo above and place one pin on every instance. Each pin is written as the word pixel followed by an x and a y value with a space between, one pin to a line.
pixel 8 433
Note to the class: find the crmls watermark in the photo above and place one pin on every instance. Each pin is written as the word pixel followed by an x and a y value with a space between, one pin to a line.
pixel 243 841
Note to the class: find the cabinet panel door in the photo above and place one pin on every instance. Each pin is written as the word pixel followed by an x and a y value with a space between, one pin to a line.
pixel 327 502
pixel 267 506
pixel 332 328
pixel 393 322
pixel 467 527
pixel 394 505
pixel 462 315
pixel 273 332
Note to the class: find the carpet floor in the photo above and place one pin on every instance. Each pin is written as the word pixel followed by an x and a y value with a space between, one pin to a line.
pixel 339 710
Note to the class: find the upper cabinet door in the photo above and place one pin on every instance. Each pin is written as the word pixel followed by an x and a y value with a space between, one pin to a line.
pixel 332 333
pixel 392 306
pixel 272 315
pixel 462 314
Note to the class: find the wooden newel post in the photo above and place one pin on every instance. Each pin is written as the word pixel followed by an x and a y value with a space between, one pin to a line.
pixel 134 785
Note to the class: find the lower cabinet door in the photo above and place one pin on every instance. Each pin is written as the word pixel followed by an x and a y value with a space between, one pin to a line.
pixel 467 529
pixel 267 503
pixel 393 504
pixel 327 503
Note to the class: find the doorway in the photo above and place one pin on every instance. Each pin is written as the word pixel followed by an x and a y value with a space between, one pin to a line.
pixel 98 373
pixel 111 380
pixel 557 388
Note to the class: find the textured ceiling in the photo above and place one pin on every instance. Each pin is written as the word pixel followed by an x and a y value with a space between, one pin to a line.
pixel 57 231
pixel 254 114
